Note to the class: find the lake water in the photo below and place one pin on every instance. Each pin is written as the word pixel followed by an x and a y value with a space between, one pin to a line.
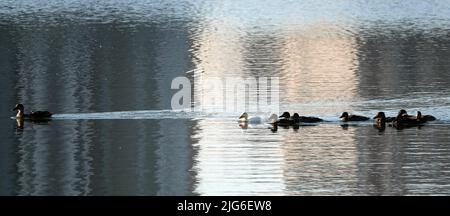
pixel 105 68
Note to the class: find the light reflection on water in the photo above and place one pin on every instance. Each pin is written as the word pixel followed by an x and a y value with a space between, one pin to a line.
pixel 106 69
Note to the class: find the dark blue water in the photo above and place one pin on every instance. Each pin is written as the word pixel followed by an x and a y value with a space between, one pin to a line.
pixel 105 68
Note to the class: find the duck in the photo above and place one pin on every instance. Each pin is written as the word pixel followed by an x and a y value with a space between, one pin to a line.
pixel 345 117
pixel 380 121
pixel 425 117
pixel 285 120
pixel 33 115
pixel 402 114
pixel 285 115
pixel 252 120
pixel 381 117
pixel 403 119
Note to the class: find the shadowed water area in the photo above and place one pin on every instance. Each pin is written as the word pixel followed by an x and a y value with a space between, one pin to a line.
pixel 105 68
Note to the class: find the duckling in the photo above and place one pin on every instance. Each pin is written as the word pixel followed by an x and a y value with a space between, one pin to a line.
pixel 33 115
pixel 252 120
pixel 425 117
pixel 346 117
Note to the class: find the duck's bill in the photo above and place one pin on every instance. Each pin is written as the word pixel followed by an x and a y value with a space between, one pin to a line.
pixel 15 108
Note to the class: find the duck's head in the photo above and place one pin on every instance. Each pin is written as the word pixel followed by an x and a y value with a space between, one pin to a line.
pixel 344 115
pixel 419 114
pixel 402 112
pixel 295 116
pixel 273 118
pixel 19 107
pixel 380 115
pixel 285 115
pixel 244 116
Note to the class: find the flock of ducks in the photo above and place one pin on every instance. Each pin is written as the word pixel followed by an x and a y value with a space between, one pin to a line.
pixel 402 120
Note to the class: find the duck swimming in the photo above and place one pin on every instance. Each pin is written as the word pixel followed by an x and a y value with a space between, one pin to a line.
pixel 252 120
pixel 380 121
pixel 33 115
pixel 345 117
pixel 285 120
pixel 285 115
pixel 425 117
pixel 381 117
pixel 403 119
pixel 402 114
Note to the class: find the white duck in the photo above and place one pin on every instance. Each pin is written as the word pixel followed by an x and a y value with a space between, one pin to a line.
pixel 249 120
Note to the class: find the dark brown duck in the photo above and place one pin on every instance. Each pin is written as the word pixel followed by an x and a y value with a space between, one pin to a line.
pixel 33 115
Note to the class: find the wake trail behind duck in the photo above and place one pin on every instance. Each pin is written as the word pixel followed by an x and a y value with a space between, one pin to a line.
pixel 141 114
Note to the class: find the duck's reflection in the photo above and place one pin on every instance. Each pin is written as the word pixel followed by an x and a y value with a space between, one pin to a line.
pixel 402 127
pixel 243 125
pixel 20 123
pixel 380 127
pixel 274 127
pixel 344 126
pixel 295 127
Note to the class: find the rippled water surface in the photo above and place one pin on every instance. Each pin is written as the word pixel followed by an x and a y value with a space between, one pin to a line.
pixel 106 67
